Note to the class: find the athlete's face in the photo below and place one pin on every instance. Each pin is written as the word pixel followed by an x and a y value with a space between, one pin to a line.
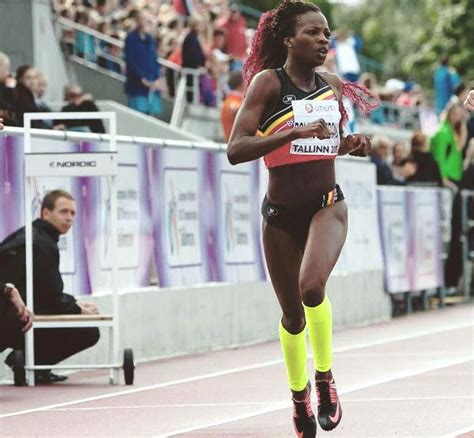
pixel 62 216
pixel 310 44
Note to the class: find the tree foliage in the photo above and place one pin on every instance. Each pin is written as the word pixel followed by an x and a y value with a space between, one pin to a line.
pixel 267 5
pixel 410 36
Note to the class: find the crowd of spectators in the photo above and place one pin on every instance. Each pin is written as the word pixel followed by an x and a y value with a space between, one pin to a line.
pixel 437 160
pixel 210 36
pixel 24 91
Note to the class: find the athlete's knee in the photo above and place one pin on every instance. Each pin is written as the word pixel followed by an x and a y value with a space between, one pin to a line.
pixel 293 324
pixel 312 290
pixel 340 213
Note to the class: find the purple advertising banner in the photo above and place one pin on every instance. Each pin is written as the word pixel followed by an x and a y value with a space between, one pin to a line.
pixel 239 222
pixel 182 211
pixel 134 225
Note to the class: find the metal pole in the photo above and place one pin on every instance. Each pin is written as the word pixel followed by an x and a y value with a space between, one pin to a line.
pixel 114 248
pixel 30 344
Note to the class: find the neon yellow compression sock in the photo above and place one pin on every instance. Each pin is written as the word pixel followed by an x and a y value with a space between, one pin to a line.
pixel 319 326
pixel 294 355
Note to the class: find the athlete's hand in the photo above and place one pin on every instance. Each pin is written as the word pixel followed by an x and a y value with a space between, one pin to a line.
pixel 319 129
pixel 358 145
pixel 1 124
pixel 469 102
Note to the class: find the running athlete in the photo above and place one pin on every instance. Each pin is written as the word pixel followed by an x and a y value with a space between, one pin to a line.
pixel 291 116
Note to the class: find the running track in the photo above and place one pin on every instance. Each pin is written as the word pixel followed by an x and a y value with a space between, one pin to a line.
pixel 410 377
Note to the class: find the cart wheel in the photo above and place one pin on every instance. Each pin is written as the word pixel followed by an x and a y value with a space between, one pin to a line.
pixel 19 376
pixel 128 366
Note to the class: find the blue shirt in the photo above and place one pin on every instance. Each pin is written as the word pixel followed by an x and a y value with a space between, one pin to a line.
pixel 141 61
pixel 443 85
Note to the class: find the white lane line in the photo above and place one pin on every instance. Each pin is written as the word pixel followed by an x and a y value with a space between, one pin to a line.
pixel 260 403
pixel 388 399
pixel 348 347
pixel 344 390
pixel 459 432
pixel 174 406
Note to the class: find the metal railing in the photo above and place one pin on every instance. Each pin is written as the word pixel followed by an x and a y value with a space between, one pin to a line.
pixel 395 116
pixel 89 47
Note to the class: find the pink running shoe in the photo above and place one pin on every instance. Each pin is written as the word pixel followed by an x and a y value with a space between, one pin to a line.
pixel 304 421
pixel 329 407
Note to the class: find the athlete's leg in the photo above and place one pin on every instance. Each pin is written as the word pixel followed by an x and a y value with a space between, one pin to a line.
pixel 326 238
pixel 283 254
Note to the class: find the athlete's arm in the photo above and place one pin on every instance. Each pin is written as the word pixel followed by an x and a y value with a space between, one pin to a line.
pixel 356 144
pixel 243 144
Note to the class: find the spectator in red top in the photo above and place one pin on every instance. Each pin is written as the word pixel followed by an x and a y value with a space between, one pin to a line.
pixel 184 8
pixel 235 25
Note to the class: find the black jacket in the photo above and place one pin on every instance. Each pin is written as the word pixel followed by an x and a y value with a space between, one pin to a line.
pixel 49 298
pixel 427 169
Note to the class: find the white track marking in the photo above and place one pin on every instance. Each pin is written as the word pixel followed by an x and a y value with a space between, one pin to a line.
pixel 389 399
pixel 383 341
pixel 264 403
pixel 344 390
pixel 174 406
pixel 459 432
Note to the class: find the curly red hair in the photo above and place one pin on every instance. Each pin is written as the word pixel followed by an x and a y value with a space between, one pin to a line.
pixel 268 50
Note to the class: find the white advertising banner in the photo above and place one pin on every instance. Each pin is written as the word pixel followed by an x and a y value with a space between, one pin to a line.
pixel 362 250
pixel 424 208
pixel 395 231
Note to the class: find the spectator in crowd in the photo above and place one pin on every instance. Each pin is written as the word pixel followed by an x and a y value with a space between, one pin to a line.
pixel 469 102
pixel 41 87
pixel 346 56
pixel 78 101
pixel 232 102
pixel 444 85
pixel 399 153
pixel 379 156
pixel 51 345
pixel 453 267
pixel 184 8
pixel 84 43
pixel 234 25
pixel 24 97
pixel 6 91
pixel 447 143
pixel 143 82
pixel 427 170
pixel 170 48
pixel 192 53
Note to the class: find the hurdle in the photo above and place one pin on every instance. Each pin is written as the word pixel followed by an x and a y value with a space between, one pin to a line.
pixel 105 164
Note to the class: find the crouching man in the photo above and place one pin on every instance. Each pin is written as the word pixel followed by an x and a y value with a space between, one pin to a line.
pixel 58 211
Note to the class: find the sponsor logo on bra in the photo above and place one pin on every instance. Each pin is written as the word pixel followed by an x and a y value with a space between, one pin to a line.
pixel 288 98
pixel 272 211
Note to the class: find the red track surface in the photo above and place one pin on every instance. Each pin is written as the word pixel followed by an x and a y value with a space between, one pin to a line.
pixel 410 377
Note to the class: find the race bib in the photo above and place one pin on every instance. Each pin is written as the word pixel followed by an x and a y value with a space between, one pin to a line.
pixel 308 111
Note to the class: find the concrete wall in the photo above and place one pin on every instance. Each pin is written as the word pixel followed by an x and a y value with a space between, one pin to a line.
pixel 133 123
pixel 159 323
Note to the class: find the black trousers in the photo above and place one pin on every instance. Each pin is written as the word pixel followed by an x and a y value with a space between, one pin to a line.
pixel 51 345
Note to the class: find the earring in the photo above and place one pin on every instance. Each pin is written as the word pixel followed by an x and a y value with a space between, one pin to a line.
pixel 289 45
